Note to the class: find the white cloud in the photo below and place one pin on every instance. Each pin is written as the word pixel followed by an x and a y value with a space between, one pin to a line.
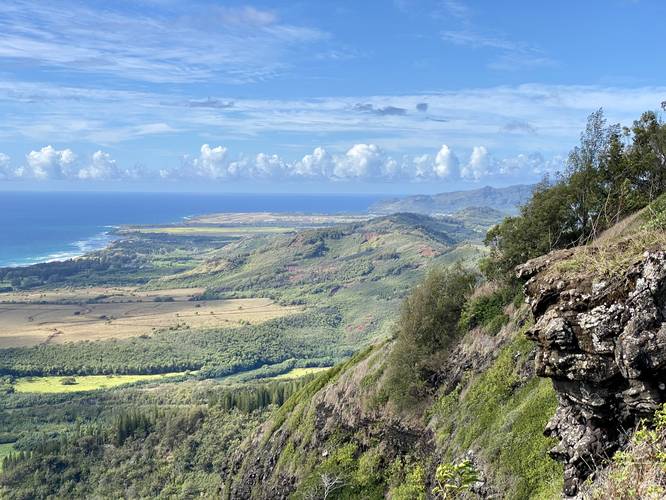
pixel 318 164
pixel 5 169
pixel 364 161
pixel 103 167
pixel 267 166
pixel 446 163
pixel 49 163
pixel 211 162
pixel 533 163
pixel 361 162
pixel 479 164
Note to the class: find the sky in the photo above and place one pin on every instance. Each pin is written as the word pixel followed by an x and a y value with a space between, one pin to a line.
pixel 379 96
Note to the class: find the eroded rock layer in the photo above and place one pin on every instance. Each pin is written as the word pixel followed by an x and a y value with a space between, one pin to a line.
pixel 603 343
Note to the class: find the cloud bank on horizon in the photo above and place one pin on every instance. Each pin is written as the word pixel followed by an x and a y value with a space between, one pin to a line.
pixel 364 162
pixel 439 93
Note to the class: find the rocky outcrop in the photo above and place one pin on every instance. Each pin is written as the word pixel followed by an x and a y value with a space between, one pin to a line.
pixel 603 343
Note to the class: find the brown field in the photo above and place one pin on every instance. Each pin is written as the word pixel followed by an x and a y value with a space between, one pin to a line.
pixel 124 312
pixel 98 294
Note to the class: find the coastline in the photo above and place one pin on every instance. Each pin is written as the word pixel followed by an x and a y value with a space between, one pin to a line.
pixel 79 248
pixel 42 228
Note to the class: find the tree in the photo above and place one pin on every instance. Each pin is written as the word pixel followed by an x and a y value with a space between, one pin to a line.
pixel 605 179
pixel 428 325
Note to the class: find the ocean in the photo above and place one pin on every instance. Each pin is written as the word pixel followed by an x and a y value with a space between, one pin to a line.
pixel 46 226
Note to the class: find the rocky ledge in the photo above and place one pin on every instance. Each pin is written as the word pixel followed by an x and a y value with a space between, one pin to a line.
pixel 603 343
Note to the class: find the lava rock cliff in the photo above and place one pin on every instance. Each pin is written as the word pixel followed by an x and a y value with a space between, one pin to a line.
pixel 602 341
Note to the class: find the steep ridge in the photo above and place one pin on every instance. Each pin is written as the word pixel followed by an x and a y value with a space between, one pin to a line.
pixel 487 407
pixel 600 330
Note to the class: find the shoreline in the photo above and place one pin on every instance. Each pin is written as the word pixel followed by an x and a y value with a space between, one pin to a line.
pixel 95 243
pixel 86 218
pixel 113 233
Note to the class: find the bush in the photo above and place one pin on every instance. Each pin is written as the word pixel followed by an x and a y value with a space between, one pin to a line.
pixel 428 325
pixel 452 480
pixel 487 311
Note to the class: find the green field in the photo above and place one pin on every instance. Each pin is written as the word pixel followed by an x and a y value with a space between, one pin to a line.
pixel 51 385
pixel 301 372
pixel 208 230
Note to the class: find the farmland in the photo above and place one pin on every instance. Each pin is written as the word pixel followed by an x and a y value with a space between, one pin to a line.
pixel 98 313
pixel 56 385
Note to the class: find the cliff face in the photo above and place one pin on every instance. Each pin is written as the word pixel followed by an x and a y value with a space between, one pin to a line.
pixel 601 338
pixel 488 407
pixel 322 418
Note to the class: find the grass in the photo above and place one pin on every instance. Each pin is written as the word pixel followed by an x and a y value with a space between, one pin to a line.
pixel 503 418
pixel 29 324
pixel 54 385
pixel 619 247
pixel 6 449
pixel 301 372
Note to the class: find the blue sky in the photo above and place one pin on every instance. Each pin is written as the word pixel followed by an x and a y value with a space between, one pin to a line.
pixel 394 96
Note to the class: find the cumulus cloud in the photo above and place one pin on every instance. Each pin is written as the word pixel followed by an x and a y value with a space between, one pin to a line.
pixel 211 162
pixel 361 162
pixel 534 163
pixel 49 163
pixel 318 164
pixel 446 163
pixel 5 168
pixel 478 166
pixel 103 167
pixel 364 161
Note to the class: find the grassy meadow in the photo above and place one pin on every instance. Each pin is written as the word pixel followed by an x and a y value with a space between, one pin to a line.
pixel 300 372
pixel 55 319
pixel 57 384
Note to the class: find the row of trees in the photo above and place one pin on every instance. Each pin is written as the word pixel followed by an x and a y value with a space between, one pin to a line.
pixel 613 172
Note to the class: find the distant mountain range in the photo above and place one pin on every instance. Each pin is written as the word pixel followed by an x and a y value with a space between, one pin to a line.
pixel 507 200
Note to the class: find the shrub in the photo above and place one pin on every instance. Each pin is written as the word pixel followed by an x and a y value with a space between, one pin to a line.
pixel 454 479
pixel 428 325
pixel 487 311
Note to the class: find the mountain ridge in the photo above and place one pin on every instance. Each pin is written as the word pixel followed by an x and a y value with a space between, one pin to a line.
pixel 507 200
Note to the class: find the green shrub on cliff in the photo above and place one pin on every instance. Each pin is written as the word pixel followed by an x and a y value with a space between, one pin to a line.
pixel 428 325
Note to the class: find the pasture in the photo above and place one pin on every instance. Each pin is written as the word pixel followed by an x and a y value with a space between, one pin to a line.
pixel 60 384
pixel 210 230
pixel 301 372
pixel 72 315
